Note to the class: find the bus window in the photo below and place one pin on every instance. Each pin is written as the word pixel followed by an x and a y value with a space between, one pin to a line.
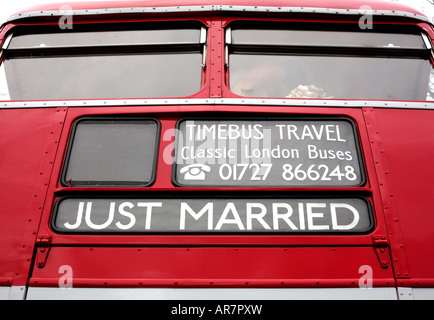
pixel 111 152
pixel 104 64
pixel 329 65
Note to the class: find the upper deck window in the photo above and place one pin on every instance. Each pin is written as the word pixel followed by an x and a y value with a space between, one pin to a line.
pixel 328 64
pixel 160 61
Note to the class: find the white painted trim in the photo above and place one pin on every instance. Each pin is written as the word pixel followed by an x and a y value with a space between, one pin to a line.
pixel 206 8
pixel 38 293
pixel 4 293
pixel 13 293
pixel 423 105
pixel 406 293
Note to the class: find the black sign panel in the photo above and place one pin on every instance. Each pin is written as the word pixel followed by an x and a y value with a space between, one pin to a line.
pixel 223 215
pixel 279 153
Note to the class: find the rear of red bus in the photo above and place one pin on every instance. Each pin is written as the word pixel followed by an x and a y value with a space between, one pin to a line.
pixel 226 152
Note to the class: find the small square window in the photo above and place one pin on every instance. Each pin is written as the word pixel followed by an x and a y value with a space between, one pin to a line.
pixel 112 152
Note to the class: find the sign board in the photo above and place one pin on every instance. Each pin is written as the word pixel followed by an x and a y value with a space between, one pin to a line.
pixel 268 153
pixel 275 215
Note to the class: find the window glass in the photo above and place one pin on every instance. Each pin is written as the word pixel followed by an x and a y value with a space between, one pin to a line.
pixel 329 77
pixel 126 37
pixel 327 38
pixel 112 153
pixel 103 76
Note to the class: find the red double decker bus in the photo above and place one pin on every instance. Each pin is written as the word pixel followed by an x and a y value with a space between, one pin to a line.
pixel 230 150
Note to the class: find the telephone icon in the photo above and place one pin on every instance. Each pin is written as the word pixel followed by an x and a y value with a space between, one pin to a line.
pixel 195 171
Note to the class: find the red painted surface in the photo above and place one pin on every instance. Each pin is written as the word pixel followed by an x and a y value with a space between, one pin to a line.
pixel 212 267
pixel 397 147
pixel 334 4
pixel 408 142
pixel 24 179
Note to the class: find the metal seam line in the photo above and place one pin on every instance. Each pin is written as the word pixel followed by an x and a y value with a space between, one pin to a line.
pixel 423 105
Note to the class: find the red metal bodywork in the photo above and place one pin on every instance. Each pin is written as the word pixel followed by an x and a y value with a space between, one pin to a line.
pixel 332 4
pixel 397 147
